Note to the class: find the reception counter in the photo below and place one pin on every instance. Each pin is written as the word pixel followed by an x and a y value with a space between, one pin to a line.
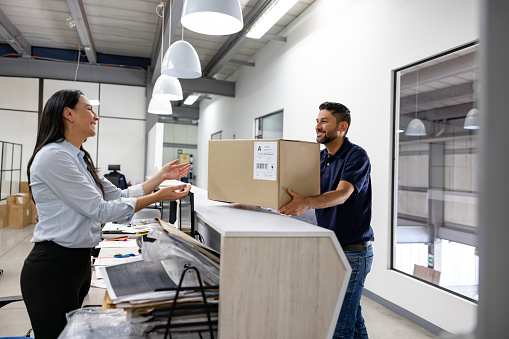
pixel 279 277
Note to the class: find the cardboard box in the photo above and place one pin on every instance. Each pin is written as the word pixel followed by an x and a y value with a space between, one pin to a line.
pixel 18 199
pixel 258 172
pixel 4 215
pixel 19 215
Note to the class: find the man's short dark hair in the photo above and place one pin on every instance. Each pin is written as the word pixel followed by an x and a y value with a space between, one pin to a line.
pixel 339 111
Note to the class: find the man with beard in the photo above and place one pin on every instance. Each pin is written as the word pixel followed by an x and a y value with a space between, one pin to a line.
pixel 343 206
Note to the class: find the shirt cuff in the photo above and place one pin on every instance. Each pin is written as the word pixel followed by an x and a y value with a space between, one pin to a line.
pixel 131 202
pixel 136 191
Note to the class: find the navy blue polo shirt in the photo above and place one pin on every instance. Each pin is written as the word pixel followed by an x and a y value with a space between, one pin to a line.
pixel 351 221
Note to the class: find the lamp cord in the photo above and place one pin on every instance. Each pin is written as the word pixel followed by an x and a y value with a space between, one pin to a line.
pixel 416 93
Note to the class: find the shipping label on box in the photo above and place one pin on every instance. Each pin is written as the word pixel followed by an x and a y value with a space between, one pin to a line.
pixel 265 161
pixel 256 172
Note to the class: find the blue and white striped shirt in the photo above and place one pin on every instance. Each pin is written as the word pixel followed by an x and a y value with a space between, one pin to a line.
pixel 70 205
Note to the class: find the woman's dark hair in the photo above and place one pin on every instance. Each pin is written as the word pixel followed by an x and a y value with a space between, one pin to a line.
pixel 339 111
pixel 51 128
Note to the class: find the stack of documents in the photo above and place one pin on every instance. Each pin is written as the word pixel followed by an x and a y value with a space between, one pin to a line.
pixel 147 289
pixel 133 229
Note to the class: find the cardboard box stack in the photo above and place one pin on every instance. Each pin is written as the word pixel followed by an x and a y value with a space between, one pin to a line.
pixel 20 210
pixel 258 172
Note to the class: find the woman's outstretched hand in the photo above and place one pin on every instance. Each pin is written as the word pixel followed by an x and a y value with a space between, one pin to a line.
pixel 173 170
pixel 172 193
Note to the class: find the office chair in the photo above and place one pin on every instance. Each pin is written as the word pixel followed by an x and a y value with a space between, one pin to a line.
pixel 7 300
pixel 116 178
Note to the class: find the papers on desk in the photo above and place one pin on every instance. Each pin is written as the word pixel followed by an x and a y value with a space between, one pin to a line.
pixel 142 226
pixel 117 244
pixel 116 261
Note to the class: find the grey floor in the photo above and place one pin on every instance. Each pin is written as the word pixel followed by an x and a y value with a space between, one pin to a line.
pixel 15 246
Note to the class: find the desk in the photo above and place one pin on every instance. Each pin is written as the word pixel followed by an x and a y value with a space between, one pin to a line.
pixel 279 277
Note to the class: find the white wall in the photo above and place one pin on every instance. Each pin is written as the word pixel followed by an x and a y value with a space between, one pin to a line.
pixel 155 139
pixel 18 115
pixel 121 130
pixel 345 51
pixel 120 135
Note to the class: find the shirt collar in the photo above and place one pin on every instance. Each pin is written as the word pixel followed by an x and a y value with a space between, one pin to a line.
pixel 71 148
pixel 342 150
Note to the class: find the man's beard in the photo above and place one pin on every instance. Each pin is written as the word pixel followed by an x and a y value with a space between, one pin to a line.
pixel 327 137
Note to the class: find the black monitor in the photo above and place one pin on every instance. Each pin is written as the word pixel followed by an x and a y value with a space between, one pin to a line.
pixel 113 179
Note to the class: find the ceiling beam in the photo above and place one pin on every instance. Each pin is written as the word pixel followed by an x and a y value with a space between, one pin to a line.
pixel 10 33
pixel 81 21
pixel 65 70
pixel 440 96
pixel 209 86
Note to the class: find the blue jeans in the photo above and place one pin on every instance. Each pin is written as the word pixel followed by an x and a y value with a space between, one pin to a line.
pixel 351 323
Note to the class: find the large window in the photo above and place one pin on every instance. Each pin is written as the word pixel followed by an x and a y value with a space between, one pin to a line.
pixel 269 126
pixel 435 167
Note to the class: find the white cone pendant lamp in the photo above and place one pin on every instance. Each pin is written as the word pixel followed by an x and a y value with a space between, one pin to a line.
pixel 160 105
pixel 181 61
pixel 168 88
pixel 212 17
pixel 416 128
pixel 473 119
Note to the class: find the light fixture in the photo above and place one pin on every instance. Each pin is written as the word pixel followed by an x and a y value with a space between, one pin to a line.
pixel 212 17
pixel 191 99
pixel 70 22
pixel 166 87
pixel 473 119
pixel 181 61
pixel 160 105
pixel 269 18
pixel 416 127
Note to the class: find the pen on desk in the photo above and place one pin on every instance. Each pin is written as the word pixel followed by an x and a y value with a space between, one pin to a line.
pixel 118 239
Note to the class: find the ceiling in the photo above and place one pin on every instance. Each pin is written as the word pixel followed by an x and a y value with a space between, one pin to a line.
pixel 129 28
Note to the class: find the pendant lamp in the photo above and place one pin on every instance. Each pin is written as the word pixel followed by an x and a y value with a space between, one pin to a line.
pixel 473 119
pixel 166 87
pixel 181 61
pixel 160 105
pixel 416 127
pixel 212 17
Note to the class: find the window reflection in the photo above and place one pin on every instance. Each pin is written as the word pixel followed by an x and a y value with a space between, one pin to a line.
pixel 436 135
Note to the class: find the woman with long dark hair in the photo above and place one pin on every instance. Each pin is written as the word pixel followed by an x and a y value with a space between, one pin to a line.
pixel 72 201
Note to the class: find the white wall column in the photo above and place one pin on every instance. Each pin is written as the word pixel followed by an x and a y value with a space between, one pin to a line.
pixel 494 170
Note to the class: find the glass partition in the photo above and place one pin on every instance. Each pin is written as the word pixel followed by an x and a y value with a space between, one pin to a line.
pixel 10 168
pixel 435 165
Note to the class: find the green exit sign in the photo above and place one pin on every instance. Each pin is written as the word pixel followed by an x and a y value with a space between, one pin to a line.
pixel 179 151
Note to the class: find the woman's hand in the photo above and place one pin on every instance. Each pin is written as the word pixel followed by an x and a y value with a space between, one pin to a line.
pixel 172 171
pixel 172 193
